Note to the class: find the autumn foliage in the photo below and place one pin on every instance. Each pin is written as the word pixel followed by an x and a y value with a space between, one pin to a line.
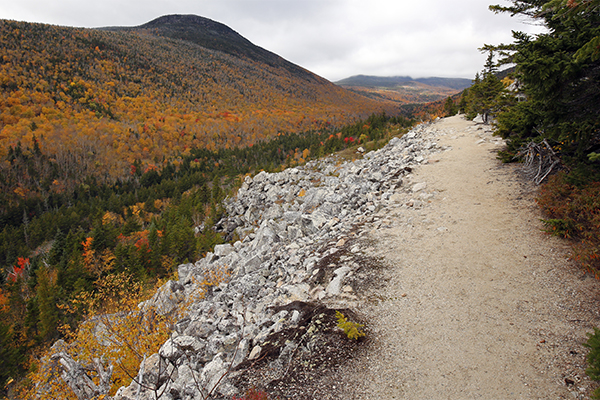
pixel 115 328
pixel 97 101
pixel 18 271
pixel 122 326
pixel 571 212
pixel 253 394
pixel 116 149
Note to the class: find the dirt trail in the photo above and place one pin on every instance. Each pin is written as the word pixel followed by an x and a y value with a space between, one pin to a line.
pixel 479 303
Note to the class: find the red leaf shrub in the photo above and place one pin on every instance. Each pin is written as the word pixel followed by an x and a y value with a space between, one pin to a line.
pixel 574 212
pixel 253 394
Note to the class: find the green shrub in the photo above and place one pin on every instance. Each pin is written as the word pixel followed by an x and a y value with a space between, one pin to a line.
pixel 559 227
pixel 593 359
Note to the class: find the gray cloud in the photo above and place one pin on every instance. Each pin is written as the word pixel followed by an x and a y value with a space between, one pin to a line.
pixel 332 38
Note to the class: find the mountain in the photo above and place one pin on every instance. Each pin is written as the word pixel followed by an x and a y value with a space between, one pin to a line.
pixel 215 36
pixel 404 89
pixel 96 101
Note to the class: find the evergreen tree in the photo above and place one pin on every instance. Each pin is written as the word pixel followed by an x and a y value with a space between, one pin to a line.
pixel 483 94
pixel 463 103
pixel 10 355
pixel 58 249
pixel 560 75
pixel 46 298
pixel 449 107
pixel 154 247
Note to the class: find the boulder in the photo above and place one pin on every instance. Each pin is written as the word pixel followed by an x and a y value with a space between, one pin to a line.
pixel 166 299
pixel 222 250
pixel 335 286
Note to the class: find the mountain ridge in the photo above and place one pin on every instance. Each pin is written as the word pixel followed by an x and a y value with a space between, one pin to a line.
pixel 410 92
pixel 404 89
pixel 398 80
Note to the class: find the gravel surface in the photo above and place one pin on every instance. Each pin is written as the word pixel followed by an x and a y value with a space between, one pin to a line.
pixel 479 302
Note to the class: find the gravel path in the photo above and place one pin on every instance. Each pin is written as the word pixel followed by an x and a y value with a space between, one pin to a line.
pixel 479 303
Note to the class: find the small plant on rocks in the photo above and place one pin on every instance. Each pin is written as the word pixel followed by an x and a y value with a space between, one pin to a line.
pixel 593 358
pixel 352 329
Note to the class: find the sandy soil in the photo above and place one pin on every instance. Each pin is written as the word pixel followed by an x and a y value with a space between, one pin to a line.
pixel 479 302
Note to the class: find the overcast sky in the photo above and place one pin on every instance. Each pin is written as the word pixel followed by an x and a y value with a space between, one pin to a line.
pixel 332 38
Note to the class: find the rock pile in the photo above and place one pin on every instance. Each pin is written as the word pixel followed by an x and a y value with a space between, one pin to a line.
pixel 299 256
pixel 291 226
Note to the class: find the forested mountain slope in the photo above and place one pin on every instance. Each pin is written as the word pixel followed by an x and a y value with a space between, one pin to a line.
pixel 117 146
pixel 95 101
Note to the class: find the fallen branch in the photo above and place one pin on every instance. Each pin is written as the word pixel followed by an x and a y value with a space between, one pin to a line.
pixel 539 160
pixel 76 378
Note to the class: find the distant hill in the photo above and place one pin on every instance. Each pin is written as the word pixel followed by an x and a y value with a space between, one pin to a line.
pixel 404 89
pixel 394 81
pixel 96 101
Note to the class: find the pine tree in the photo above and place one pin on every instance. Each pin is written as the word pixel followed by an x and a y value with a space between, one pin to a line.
pixel 449 107
pixel 560 75
pixel 58 248
pixel 463 103
pixel 483 94
pixel 46 298
pixel 10 355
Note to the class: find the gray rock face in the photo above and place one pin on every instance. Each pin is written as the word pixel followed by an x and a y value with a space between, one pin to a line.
pixel 166 298
pixel 290 225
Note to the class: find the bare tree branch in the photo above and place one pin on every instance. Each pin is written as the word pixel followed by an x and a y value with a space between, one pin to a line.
pixel 539 160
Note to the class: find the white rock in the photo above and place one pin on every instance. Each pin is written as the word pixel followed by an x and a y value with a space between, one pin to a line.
pixel 419 186
pixel 255 353
pixel 188 343
pixel 335 286
pixel 297 292
pixel 213 372
pixel 170 350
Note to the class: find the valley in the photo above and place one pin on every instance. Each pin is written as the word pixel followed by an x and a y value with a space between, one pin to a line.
pixel 118 146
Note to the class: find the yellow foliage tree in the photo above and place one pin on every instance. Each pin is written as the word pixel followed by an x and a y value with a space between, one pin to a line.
pixel 116 331
pixel 117 336
pixel 96 264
